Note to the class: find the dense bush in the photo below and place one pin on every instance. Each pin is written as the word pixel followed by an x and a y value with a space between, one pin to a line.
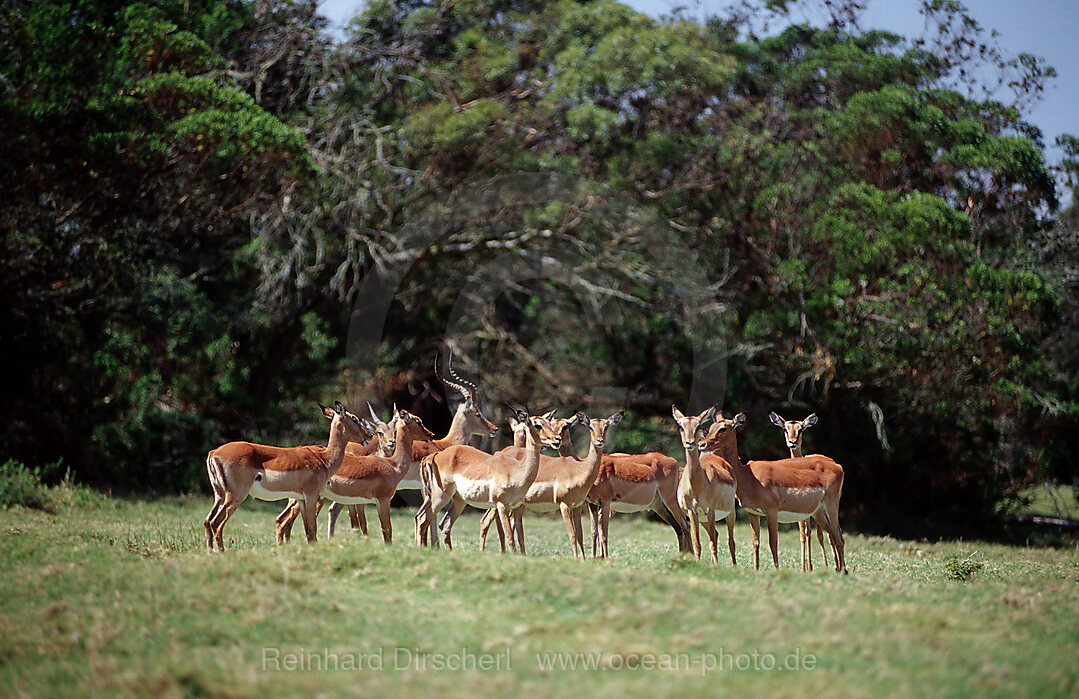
pixel 585 200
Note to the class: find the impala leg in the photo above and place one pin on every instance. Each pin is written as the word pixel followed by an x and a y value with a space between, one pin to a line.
pixel 210 517
pixel 710 525
pixel 803 540
pixel 309 510
pixel 504 518
pixel 695 532
pixel 755 526
pixel 331 519
pixel 773 536
pixel 518 524
pixel 604 526
pixel 357 518
pixel 206 523
pixel 422 516
pixel 578 530
pixel 457 506
pixel 824 523
pixel 429 508
pixel 228 506
pixel 445 521
pixel 217 483
pixel 485 525
pixel 820 539
pixel 283 522
pixel 836 535
pixel 567 518
pixel 593 518
pixel 384 519
pixel 730 537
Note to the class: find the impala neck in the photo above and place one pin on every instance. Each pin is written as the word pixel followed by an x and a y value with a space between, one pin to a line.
pixel 566 449
pixel 693 461
pixel 592 460
pixel 530 463
pixel 729 451
pixel 335 448
pixel 402 451
pixel 458 434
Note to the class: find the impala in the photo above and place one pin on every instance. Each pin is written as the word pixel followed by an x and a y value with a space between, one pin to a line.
pixel 563 482
pixel 239 469
pixel 560 425
pixel 465 475
pixel 788 490
pixel 792 431
pixel 707 486
pixel 632 483
pixel 382 444
pixel 363 480
pixel 467 421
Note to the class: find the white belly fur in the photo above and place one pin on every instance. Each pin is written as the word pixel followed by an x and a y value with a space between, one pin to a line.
pixel 784 517
pixel 702 514
pixel 542 507
pixel 627 507
pixel 475 493
pixel 259 492
pixel 349 501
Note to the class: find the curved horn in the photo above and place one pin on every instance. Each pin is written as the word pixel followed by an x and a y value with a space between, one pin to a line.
pixel 464 390
pixel 378 420
pixel 471 387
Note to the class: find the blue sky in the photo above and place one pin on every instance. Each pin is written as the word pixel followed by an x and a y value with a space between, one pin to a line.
pixel 1045 28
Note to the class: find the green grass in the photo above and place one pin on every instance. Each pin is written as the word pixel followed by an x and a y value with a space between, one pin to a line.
pixel 105 596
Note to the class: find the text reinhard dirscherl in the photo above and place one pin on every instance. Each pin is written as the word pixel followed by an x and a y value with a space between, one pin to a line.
pixel 401 659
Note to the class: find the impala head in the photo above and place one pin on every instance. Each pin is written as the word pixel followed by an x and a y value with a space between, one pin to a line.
pixel 540 426
pixel 792 429
pixel 385 431
pixel 598 427
pixel 356 428
pixel 411 427
pixel 691 427
pixel 475 421
pixel 561 425
pixel 721 432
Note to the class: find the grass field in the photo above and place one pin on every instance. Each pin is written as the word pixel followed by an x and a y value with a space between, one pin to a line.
pixel 107 596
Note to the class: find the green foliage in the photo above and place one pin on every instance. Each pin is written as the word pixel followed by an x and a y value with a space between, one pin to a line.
pixel 22 486
pixel 962 569
pixel 199 189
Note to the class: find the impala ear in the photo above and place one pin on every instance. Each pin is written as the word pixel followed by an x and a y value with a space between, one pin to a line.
pixel 776 420
pixel 549 415
pixel 616 418
pixel 810 420
pixel 366 425
pixel 740 419
pixel 676 412
pixel 338 407
pixel 708 414
pixel 579 418
pixel 327 411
